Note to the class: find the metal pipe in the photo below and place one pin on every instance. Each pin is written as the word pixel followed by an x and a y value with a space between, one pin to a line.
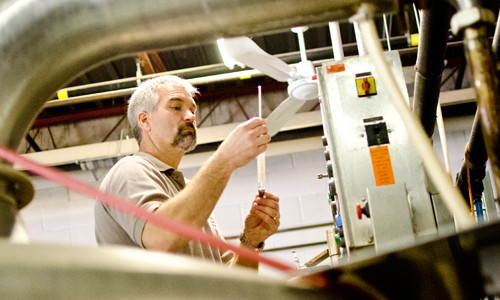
pixel 45 44
pixel 442 138
pixel 483 65
pixel 477 156
pixel 417 15
pixel 89 97
pixel 299 31
pixel 387 34
pixel 336 38
pixel 496 39
pixel 202 74
pixel 128 91
pixel 58 39
pixel 430 62
pixel 219 70
pixel 362 51
pixel 464 4
pixel 126 86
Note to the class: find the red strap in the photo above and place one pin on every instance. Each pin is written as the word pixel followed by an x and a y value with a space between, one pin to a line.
pixel 187 231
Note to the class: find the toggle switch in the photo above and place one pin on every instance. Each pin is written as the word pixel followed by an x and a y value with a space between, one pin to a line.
pixel 365 85
pixel 362 209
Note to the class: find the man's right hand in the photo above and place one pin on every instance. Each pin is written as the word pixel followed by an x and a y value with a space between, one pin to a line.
pixel 245 143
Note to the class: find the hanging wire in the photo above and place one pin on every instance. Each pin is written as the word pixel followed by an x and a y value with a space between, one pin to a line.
pixel 417 16
pixel 468 178
pixel 387 35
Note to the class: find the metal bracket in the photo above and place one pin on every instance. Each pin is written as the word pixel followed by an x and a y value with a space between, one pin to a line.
pixel 391 217
pixel 18 186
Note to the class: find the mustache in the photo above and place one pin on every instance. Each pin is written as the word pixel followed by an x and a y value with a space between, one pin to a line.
pixel 186 140
pixel 187 126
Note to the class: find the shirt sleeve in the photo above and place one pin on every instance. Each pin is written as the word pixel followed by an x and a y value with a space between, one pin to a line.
pixel 226 256
pixel 138 182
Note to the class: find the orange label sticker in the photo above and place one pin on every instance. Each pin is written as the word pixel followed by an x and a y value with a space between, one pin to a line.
pixel 382 167
pixel 335 68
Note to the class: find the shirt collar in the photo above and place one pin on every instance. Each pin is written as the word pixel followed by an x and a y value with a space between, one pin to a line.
pixel 158 163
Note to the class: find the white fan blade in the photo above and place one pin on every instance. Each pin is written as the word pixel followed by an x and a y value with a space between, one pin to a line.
pixel 281 114
pixel 247 52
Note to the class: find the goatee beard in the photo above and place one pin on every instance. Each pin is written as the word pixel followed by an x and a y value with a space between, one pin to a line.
pixel 185 140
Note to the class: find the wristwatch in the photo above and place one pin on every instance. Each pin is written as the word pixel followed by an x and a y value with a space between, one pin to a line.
pixel 244 242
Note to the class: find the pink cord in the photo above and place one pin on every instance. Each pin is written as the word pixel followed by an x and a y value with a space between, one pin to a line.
pixel 187 231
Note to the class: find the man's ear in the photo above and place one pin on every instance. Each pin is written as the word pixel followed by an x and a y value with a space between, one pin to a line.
pixel 143 121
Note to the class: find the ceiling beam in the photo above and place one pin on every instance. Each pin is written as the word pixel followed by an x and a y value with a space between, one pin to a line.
pixel 206 135
pixel 66 118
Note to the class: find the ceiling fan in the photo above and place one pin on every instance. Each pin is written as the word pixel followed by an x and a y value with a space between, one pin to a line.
pixel 301 79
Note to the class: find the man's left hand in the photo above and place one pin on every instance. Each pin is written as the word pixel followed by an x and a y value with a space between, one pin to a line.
pixel 263 219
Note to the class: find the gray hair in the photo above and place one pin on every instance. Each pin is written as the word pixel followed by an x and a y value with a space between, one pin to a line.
pixel 146 97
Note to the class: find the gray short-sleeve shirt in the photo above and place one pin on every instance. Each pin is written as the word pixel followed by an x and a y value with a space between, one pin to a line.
pixel 139 179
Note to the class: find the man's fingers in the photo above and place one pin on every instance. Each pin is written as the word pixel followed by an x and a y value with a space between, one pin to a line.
pixel 254 123
pixel 268 207
pixel 269 196
pixel 269 220
pixel 263 139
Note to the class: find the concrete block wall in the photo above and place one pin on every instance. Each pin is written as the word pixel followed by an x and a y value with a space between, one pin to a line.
pixel 303 203
pixel 60 216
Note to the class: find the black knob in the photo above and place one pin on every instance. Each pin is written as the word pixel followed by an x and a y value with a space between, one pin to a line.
pixel 325 142
pixel 329 169
pixel 327 155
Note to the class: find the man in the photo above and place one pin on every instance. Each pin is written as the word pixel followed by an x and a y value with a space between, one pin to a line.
pixel 162 115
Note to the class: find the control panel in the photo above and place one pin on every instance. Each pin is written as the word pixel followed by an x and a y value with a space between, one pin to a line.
pixel 378 178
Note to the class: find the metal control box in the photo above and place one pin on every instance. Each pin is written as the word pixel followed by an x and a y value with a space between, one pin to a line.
pixel 374 162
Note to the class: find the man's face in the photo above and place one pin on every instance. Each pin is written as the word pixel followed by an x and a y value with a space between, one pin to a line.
pixel 174 121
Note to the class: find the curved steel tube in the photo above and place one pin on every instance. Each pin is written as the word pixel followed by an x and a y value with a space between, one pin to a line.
pixel 477 152
pixel 495 45
pixel 44 44
pixel 475 162
pixel 483 65
pixel 430 62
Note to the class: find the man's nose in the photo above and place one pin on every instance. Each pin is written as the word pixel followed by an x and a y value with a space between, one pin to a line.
pixel 190 116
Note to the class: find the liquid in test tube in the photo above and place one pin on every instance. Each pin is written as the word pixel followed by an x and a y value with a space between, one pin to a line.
pixel 261 159
pixel 261 170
